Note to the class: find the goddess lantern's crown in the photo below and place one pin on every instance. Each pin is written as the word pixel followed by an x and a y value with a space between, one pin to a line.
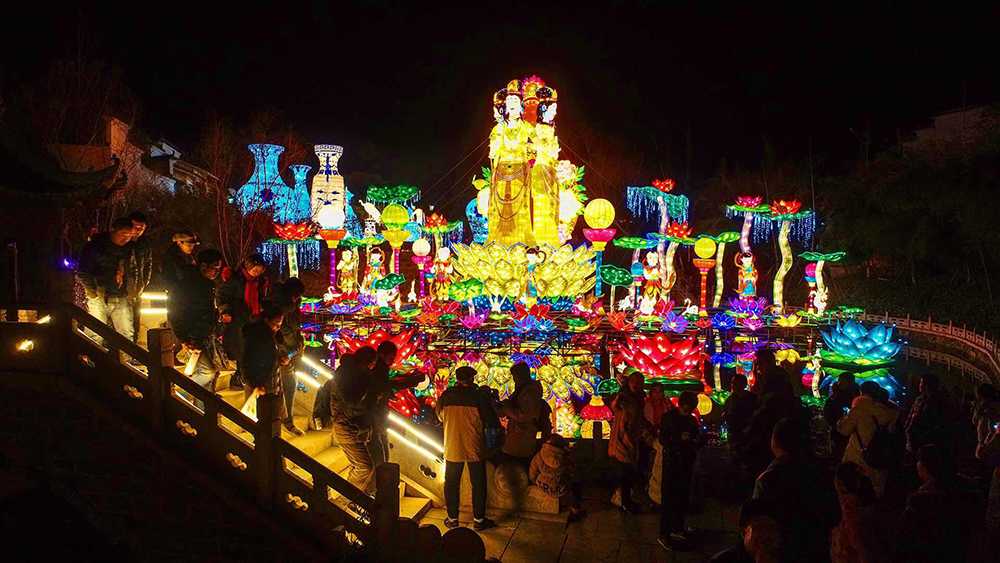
pixel 547 94
pixel 514 88
pixel 532 84
pixel 499 97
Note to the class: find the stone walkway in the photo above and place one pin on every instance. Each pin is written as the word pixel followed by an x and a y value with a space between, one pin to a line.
pixel 606 535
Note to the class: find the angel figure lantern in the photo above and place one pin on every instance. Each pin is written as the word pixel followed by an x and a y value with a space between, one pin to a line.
pixel 441 271
pixel 374 271
pixel 747 276
pixel 347 272
pixel 653 276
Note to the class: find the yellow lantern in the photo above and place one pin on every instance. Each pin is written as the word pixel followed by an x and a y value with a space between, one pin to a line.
pixel 704 248
pixel 704 404
pixel 599 214
pixel 395 216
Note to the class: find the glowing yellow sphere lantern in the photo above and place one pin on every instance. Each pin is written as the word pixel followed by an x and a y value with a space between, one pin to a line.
pixel 395 216
pixel 599 214
pixel 704 248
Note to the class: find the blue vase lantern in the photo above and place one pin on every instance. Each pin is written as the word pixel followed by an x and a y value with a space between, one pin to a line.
pixel 296 208
pixel 265 188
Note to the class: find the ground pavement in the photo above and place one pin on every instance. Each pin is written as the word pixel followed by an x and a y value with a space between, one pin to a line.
pixel 605 535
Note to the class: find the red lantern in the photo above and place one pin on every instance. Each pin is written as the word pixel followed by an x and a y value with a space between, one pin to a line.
pixel 679 230
pixel 406 343
pixel 749 200
pixel 658 356
pixel 665 185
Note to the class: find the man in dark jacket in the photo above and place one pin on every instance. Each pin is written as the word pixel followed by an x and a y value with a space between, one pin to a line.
pixel 194 317
pixel 463 410
pixel 177 259
pixel 139 268
pixel 287 296
pixel 350 421
pixel 102 272
pixel 738 411
pixel 929 419
pixel 261 358
pixel 790 478
pixel 939 516
pixel 241 299
pixel 842 394
pixel 679 436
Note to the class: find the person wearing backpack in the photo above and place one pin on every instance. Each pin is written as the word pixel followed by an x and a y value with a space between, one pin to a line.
pixel 871 431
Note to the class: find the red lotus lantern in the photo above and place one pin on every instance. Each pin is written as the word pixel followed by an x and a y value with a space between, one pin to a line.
pixel 406 343
pixel 749 200
pixel 658 356
pixel 293 231
pixel 665 185
pixel 679 230
pixel 782 207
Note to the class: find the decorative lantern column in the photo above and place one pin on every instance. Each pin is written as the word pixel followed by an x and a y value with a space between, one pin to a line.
pixel 599 214
pixel 421 257
pixel 395 217
pixel 704 249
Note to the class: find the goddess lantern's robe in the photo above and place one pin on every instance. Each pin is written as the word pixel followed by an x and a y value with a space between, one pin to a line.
pixel 544 187
pixel 510 184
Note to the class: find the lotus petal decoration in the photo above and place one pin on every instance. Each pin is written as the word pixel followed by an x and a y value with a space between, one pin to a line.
pixel 852 342
pixel 659 356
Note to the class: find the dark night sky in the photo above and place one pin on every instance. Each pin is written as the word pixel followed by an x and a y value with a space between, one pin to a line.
pixel 409 88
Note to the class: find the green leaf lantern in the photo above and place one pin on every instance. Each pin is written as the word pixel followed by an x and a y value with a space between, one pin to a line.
pixel 389 281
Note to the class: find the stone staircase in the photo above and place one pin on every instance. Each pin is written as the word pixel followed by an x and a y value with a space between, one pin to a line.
pixel 320 445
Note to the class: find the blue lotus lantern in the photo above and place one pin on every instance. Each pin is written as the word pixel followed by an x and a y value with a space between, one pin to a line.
pixel 850 342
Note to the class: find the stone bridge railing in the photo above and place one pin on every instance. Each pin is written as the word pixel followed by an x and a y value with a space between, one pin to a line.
pixel 142 386
pixel 981 343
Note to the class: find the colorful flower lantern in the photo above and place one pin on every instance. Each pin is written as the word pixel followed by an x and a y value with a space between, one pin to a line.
pixel 851 343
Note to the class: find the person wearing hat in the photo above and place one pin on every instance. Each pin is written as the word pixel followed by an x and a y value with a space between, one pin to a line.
pixel 463 409
pixel 178 259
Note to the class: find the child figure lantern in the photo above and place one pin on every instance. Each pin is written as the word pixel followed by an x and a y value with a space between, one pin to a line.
pixel 441 270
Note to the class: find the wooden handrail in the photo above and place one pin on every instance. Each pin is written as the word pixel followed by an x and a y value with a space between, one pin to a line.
pixel 146 396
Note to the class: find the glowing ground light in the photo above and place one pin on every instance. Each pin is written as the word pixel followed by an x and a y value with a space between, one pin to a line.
pixel 318 367
pixel 406 425
pixel 25 345
pixel 153 310
pixel 307 379
pixel 44 320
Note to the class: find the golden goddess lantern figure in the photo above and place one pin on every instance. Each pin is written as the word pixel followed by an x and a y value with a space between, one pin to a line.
pixel 544 187
pixel 509 211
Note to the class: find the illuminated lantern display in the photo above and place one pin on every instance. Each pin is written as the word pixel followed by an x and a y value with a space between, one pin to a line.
pixel 788 213
pixel 406 344
pixel 720 255
pixel 636 245
pixel 657 356
pixel 265 186
pixel 851 343
pixel 565 272
pixel 704 249
pixel 295 209
pixel 677 234
pixel 818 299
pixel 441 271
pixel 645 202
pixel 477 222
pixel 421 257
pixel 328 192
pixel 756 219
pixel 292 245
pixel 599 214
pixel 395 217
pixel 527 194
pixel 544 184
pixel 615 277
